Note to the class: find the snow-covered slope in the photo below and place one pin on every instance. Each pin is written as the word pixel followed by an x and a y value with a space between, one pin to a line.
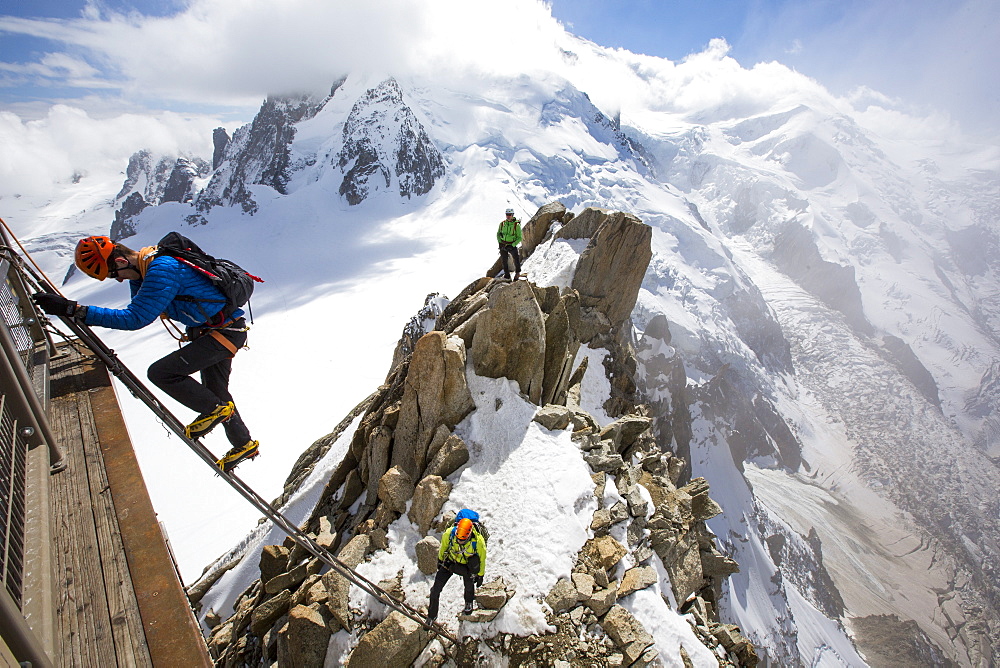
pixel 829 296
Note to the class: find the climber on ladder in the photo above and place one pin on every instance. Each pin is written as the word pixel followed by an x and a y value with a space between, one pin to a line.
pixel 235 285
pixel 161 283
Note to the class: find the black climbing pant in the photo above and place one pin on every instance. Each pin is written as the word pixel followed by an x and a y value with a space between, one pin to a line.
pixel 511 250
pixel 445 571
pixel 172 374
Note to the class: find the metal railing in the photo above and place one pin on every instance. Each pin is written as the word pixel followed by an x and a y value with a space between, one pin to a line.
pixel 25 348
pixel 24 371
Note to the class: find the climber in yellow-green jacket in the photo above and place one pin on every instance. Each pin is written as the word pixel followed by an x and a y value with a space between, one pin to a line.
pixel 462 552
pixel 509 237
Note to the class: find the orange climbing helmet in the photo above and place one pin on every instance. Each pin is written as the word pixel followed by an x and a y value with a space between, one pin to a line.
pixel 463 531
pixel 92 256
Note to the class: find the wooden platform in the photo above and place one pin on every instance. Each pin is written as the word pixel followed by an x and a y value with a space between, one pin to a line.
pixel 120 602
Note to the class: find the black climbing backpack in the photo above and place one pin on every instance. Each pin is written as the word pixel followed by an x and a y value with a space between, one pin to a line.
pixel 231 279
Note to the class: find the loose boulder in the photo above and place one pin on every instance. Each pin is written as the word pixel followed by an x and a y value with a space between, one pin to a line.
pixel 635 579
pixel 394 643
pixel 428 498
pixel 452 455
pixel 601 600
pixel 627 632
pixel 553 417
pixel 605 551
pixel 510 339
pixel 268 612
pixel 306 636
pixel 395 489
pixel 493 595
pixel 273 560
pixel 563 596
pixel 427 554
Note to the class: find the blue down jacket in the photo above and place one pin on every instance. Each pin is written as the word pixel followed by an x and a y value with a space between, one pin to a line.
pixel 157 293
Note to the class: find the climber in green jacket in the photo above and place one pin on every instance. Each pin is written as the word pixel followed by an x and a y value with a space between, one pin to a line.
pixel 462 552
pixel 509 237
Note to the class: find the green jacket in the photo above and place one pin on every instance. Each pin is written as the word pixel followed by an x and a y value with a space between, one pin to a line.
pixel 452 550
pixel 509 232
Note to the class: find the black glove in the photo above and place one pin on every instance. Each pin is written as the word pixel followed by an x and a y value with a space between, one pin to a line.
pixel 478 580
pixel 55 304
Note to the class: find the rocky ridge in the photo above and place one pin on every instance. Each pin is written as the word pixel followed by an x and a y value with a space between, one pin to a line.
pixel 257 153
pixel 405 449
pixel 150 181
pixel 384 146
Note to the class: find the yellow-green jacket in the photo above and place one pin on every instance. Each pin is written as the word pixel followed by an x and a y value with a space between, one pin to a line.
pixel 509 232
pixel 452 550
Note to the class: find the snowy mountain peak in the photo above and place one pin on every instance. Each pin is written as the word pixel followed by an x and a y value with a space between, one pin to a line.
pixel 258 153
pixel 151 181
pixel 385 147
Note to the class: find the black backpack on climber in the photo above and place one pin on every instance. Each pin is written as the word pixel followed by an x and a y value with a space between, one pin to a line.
pixel 232 280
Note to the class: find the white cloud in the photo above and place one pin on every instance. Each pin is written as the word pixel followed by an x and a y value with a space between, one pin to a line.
pixel 942 55
pixel 39 155
pixel 232 51
pixel 52 65
pixel 73 67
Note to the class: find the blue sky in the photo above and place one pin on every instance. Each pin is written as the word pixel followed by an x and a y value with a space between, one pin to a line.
pixel 932 53
pixel 928 53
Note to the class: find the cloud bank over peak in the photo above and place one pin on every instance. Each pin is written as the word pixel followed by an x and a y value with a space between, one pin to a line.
pixel 230 52
pixel 213 61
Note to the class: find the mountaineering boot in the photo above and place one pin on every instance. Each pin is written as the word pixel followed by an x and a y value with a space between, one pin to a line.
pixel 467 610
pixel 237 454
pixel 517 276
pixel 206 421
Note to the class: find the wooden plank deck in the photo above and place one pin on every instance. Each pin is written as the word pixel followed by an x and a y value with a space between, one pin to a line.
pixel 121 602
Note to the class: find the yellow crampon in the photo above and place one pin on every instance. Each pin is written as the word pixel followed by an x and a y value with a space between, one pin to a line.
pixel 205 422
pixel 237 455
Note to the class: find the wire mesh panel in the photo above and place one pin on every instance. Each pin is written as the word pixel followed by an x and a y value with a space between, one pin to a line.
pixel 18 320
pixel 12 478
pixel 18 317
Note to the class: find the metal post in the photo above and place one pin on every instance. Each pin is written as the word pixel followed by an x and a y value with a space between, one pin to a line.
pixel 34 416
pixel 18 636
